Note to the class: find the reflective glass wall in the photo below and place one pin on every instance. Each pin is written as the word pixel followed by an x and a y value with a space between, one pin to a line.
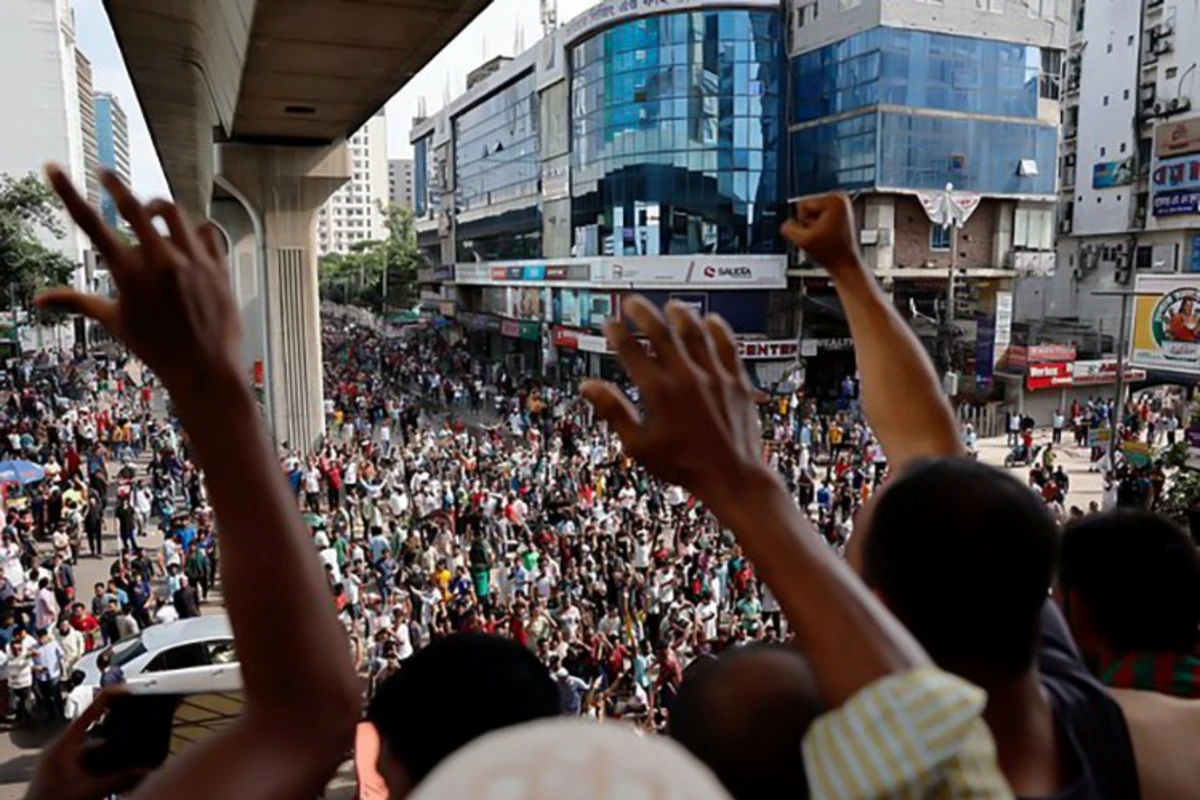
pixel 997 83
pixel 496 152
pixel 677 135
pixel 422 164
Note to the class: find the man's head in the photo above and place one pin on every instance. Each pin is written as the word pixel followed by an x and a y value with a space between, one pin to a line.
pixel 744 715
pixel 1130 582
pixel 450 693
pixel 963 555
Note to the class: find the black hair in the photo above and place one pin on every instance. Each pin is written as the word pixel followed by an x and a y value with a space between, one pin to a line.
pixel 964 555
pixel 460 688
pixel 744 716
pixel 1138 576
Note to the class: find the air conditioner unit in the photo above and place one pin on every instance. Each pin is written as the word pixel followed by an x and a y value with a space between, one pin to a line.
pixel 1178 105
pixel 868 237
pixel 1163 46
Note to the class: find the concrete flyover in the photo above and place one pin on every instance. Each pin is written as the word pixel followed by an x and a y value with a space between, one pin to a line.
pixel 249 103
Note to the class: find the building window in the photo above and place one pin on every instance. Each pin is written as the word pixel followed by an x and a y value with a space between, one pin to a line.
pixel 940 238
pixel 1122 147
pixel 1033 228
pixel 1130 40
pixel 1109 49
pixel 991 6
pixel 1103 152
pixel 1105 99
pixel 1079 16
pixel 1052 71
pixel 846 5
pixel 1126 95
pixel 807 14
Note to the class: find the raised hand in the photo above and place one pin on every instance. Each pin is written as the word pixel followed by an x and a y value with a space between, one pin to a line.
pixel 174 307
pixel 62 771
pixel 824 229
pixel 700 429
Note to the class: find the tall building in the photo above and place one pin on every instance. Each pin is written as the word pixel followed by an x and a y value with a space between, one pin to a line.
pixel 1130 200
pixel 87 126
pixel 634 148
pixel 112 134
pixel 355 213
pixel 400 181
pixel 895 101
pixel 40 95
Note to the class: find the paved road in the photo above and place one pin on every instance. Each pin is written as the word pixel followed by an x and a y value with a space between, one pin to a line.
pixel 19 749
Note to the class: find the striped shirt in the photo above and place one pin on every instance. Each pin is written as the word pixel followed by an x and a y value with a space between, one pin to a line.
pixel 915 735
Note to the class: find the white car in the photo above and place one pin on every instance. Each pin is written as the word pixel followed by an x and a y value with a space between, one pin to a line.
pixel 188 656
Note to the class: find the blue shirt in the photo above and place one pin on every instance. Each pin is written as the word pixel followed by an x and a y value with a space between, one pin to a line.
pixel 48 655
pixel 186 535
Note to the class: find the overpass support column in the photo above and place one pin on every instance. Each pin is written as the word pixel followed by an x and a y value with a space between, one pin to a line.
pixel 281 189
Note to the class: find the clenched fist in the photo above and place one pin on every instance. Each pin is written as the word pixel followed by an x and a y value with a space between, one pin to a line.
pixel 824 228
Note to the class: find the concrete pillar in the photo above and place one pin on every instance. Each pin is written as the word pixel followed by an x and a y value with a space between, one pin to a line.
pixel 879 214
pixel 281 189
pixel 245 277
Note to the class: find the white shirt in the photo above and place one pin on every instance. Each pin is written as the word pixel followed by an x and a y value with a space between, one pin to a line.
pixel 78 700
pixel 166 614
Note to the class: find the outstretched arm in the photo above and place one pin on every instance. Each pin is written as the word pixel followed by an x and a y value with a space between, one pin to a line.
pixel 701 432
pixel 900 390
pixel 175 311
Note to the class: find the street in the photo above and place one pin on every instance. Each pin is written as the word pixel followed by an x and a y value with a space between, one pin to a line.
pixel 19 748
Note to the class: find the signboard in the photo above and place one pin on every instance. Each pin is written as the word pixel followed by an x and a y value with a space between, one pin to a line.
pixel 556 182
pixel 483 273
pixel 1020 355
pixel 1195 262
pixel 709 272
pixel 810 347
pixel 1048 376
pixel 696 301
pixel 1176 203
pixel 1004 320
pixel 985 341
pixel 510 328
pixel 769 350
pixel 1166 324
pixel 1173 139
pixel 1137 454
pixel 610 12
pixel 1107 174
pixel 1099 437
pixel 1175 184
pixel 1102 372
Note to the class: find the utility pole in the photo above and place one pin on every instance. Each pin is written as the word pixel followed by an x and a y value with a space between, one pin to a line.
pixel 1122 345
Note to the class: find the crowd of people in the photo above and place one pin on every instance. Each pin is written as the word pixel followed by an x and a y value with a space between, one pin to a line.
pixel 804 603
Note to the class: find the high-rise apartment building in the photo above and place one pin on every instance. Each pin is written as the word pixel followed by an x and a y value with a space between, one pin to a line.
pixel 87 126
pixel 112 135
pixel 400 181
pixel 1130 200
pixel 355 213
pixel 40 95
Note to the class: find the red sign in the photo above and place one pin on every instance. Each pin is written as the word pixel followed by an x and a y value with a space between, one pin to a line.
pixel 499 274
pixel 1049 376
pixel 258 374
pixel 1099 373
pixel 510 328
pixel 565 338
pixel 1019 356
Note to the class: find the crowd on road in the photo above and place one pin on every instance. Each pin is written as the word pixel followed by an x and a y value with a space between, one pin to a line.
pixel 496 551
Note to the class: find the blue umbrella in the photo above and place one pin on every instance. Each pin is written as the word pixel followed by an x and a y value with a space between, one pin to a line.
pixel 23 472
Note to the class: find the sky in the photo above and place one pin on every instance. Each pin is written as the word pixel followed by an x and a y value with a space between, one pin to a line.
pixel 494 32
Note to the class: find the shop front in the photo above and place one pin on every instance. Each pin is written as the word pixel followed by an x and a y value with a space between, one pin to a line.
pixel 1042 379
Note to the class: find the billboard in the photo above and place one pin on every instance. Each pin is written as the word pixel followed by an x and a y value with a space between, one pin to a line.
pixel 1166 324
pixel 708 272
pixel 1177 138
pixel 1107 174
pixel 1175 185
pixel 1048 376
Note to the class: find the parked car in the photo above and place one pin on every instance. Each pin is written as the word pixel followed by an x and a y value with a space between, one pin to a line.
pixel 191 655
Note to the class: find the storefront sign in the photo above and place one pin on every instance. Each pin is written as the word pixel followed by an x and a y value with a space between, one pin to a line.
pixel 529 331
pixel 564 337
pixel 499 273
pixel 814 346
pixel 1174 184
pixel 1166 324
pixel 1020 355
pixel 710 272
pixel 1004 320
pixel 1102 372
pixel 781 350
pixel 1173 204
pixel 510 328
pixel 1177 138
pixel 1048 376
pixel 1195 262
pixel 478 273
pixel 696 301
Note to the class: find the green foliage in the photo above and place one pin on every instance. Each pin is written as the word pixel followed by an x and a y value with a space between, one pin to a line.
pixel 376 275
pixel 27 265
pixel 1182 495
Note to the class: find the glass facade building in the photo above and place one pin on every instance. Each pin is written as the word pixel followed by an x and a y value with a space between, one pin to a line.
pixel 901 80
pixel 677 135
pixel 421 173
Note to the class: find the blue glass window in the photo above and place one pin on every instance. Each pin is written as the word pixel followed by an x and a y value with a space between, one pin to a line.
pixel 496 147
pixel 677 135
pixel 916 69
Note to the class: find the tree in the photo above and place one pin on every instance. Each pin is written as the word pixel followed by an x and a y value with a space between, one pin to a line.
pixel 27 265
pixel 376 274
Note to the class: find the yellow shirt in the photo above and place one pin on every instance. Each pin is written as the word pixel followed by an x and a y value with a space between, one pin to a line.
pixel 919 734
